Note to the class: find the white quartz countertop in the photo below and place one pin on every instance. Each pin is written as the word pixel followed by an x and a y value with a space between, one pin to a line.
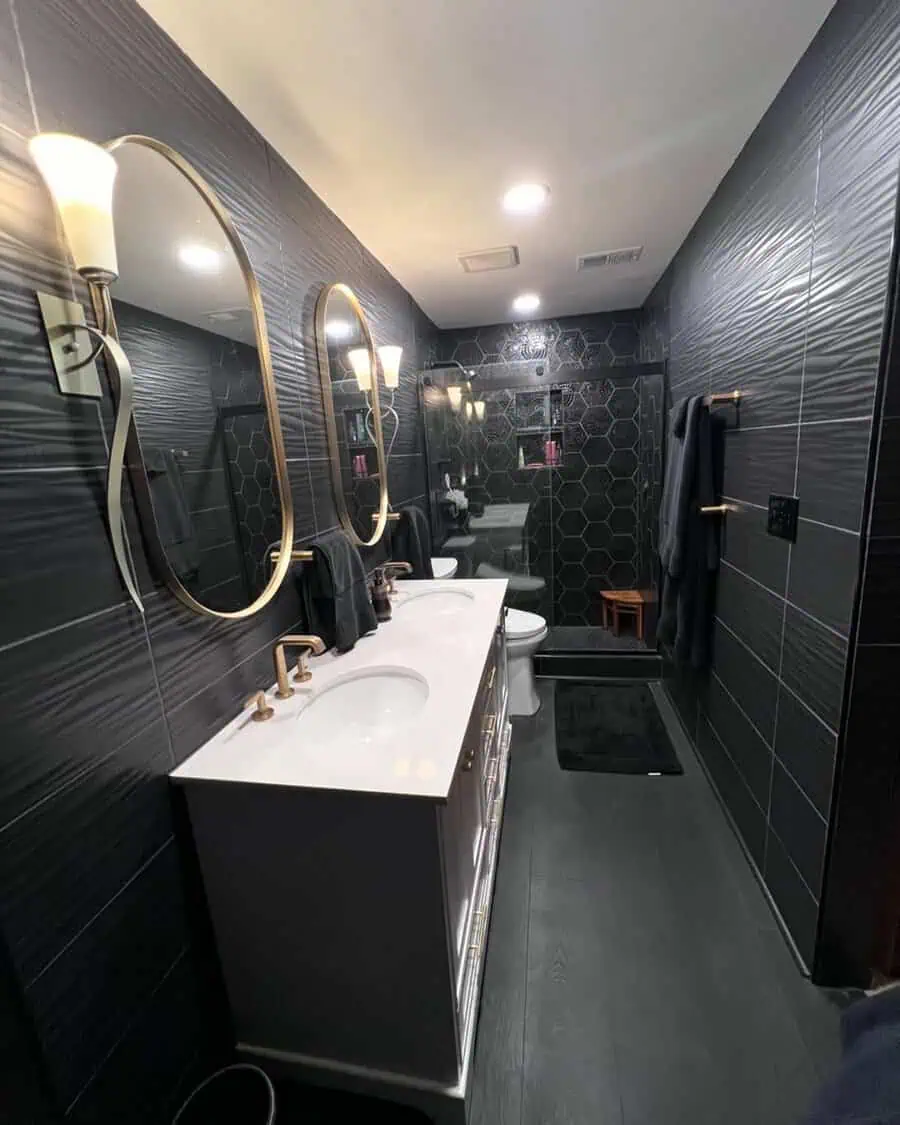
pixel 447 649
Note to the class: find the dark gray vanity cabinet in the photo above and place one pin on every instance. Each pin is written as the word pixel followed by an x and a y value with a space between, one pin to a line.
pixel 351 926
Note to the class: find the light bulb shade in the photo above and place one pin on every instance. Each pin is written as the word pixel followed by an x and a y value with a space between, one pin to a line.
pixel 390 354
pixel 480 408
pixel 470 411
pixel 455 396
pixel 362 367
pixel 80 176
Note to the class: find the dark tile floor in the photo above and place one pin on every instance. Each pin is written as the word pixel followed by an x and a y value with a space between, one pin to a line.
pixel 589 638
pixel 635 974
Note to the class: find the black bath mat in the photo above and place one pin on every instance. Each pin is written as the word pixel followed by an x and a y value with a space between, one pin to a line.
pixel 611 728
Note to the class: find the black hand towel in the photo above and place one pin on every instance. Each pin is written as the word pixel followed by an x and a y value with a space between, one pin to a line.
pixel 412 542
pixel 335 592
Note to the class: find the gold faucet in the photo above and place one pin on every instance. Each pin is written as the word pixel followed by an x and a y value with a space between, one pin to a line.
pixel 391 570
pixel 305 644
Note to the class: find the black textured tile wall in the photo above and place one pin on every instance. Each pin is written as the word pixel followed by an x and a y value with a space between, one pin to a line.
pixel 98 704
pixel 780 291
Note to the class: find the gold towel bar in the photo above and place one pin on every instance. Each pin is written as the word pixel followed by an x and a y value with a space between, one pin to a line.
pixel 296 556
pixel 392 517
pixel 733 397
pixel 715 510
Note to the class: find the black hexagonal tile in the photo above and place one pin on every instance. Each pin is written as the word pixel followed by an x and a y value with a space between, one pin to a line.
pixel 598 355
pixel 622 492
pixel 623 434
pixel 598 535
pixel 571 548
pixel 571 494
pixel 623 341
pixel 622 521
pixel 597 450
pixel 622 576
pixel 571 522
pixel 572 576
pixel 468 353
pixel 569 347
pixel 597 562
pixel 623 402
pixel 622 462
pixel 622 548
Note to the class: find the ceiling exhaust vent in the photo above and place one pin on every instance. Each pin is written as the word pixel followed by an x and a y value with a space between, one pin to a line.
pixel 482 261
pixel 605 258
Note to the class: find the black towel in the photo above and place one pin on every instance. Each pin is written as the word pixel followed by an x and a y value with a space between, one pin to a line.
pixel 172 512
pixel 335 592
pixel 412 542
pixel 689 541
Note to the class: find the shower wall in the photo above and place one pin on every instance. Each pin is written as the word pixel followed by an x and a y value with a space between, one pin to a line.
pixel 578 522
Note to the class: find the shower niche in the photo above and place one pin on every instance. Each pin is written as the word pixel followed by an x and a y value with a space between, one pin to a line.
pixel 540 431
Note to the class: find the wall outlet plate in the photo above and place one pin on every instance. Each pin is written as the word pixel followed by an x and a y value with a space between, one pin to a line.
pixel 783 514
pixel 68 347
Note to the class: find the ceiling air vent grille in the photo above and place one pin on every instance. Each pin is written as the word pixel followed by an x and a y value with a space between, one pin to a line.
pixel 482 261
pixel 604 258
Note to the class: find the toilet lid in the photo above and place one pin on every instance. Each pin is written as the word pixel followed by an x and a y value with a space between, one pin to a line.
pixel 444 568
pixel 520 624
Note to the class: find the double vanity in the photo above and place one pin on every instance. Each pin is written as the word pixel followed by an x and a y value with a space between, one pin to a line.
pixel 348 846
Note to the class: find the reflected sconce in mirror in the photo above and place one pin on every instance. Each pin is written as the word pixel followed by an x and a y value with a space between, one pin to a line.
pixel 390 355
pixel 91 187
pixel 362 367
pixel 80 176
pixel 455 396
pixel 480 408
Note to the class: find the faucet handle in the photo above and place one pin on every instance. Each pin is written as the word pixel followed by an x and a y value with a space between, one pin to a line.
pixel 302 674
pixel 263 710
pixel 392 569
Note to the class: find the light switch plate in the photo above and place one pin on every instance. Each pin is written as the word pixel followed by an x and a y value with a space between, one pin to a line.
pixel 783 514
pixel 68 347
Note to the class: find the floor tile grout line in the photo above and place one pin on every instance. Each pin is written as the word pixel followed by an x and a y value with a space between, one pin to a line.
pixel 525 989
pixel 76 937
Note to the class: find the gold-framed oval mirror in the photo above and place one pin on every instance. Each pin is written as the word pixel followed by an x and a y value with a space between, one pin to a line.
pixel 349 376
pixel 206 451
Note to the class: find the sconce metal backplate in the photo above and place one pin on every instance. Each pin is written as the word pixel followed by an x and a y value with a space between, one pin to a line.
pixel 69 349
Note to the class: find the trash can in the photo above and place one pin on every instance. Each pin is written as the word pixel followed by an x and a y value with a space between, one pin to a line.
pixel 241 1094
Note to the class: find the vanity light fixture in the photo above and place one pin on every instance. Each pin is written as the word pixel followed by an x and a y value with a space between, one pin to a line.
pixel 480 408
pixel 470 411
pixel 80 176
pixel 390 354
pixel 526 303
pixel 455 396
pixel 526 199
pixel 362 368
pixel 196 256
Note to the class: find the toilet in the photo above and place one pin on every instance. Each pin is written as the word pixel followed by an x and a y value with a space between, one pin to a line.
pixel 524 633
pixel 444 568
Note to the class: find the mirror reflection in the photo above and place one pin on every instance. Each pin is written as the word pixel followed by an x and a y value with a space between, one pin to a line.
pixel 185 320
pixel 354 399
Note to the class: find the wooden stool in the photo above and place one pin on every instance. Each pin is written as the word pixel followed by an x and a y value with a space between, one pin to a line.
pixel 628 602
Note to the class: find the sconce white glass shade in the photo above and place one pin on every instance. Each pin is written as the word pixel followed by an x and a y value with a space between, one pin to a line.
pixel 390 354
pixel 479 410
pixel 80 176
pixel 362 368
pixel 470 411
pixel 455 396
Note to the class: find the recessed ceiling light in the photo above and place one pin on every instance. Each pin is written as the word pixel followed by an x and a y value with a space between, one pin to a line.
pixel 338 329
pixel 198 257
pixel 525 199
pixel 526 303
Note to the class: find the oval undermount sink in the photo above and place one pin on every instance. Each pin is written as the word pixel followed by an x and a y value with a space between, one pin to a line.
pixel 363 708
pixel 438 602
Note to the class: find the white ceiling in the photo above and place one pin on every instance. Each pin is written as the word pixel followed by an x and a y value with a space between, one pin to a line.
pixel 411 117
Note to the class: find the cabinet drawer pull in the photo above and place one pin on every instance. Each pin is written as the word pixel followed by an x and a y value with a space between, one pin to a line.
pixel 468 760
pixel 487 729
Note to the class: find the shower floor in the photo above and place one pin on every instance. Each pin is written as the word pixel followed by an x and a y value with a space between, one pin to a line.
pixel 589 638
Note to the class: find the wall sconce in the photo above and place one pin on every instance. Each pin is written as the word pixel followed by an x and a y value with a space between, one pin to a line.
pixel 80 176
pixel 390 354
pixel 362 367
pixel 455 396
pixel 470 411
pixel 480 408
